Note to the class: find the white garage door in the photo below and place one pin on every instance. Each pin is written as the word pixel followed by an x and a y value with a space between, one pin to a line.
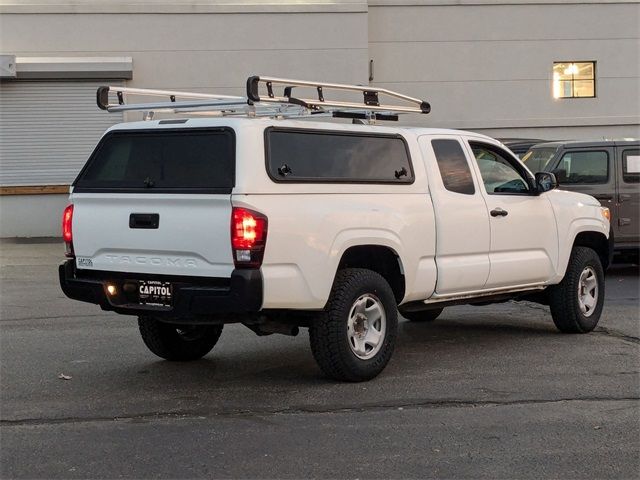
pixel 48 130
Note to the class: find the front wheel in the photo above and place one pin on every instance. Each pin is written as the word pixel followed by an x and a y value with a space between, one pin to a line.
pixel 576 302
pixel 354 338
pixel 178 342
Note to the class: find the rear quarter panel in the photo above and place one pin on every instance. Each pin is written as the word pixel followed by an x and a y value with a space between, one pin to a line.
pixel 308 234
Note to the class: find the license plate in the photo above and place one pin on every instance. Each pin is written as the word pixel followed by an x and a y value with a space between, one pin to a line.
pixel 154 292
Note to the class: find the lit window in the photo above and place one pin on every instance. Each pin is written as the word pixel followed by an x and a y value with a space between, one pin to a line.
pixel 574 79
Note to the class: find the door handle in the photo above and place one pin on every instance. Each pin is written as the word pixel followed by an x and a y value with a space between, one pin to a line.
pixel 498 212
pixel 623 197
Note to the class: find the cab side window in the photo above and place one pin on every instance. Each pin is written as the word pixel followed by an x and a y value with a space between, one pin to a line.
pixel 498 173
pixel 585 167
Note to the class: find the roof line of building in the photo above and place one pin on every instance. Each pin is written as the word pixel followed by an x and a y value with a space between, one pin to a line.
pixel 182 7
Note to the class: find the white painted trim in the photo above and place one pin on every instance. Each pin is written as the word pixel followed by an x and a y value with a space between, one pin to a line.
pixel 182 7
pixel 73 67
pixel 430 3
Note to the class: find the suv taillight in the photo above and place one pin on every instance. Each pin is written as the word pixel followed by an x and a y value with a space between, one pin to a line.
pixel 67 232
pixel 248 237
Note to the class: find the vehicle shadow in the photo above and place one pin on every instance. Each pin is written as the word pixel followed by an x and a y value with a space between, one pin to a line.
pixel 289 362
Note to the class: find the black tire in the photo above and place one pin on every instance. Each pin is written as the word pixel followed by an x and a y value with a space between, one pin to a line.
pixel 331 344
pixel 423 315
pixel 564 298
pixel 178 342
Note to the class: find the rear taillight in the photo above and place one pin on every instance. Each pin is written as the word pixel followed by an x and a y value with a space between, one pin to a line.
pixel 248 237
pixel 67 231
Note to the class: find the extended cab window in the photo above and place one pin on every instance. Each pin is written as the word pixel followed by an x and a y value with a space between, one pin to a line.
pixel 321 156
pixel 498 173
pixel 453 166
pixel 584 167
pixel 185 160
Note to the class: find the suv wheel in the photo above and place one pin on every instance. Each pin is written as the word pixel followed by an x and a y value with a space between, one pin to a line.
pixel 176 341
pixel 354 338
pixel 423 315
pixel 576 302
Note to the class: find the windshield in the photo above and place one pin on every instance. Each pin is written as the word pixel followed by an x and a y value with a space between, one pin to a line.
pixel 537 159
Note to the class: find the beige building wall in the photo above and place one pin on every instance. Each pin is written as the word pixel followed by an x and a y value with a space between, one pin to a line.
pixel 199 46
pixel 486 65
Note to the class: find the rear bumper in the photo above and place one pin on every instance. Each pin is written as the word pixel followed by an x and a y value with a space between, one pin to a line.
pixel 192 298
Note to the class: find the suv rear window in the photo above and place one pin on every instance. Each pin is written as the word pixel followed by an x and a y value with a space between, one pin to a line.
pixel 322 156
pixel 160 161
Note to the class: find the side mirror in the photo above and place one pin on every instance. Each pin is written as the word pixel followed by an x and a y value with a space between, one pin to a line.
pixel 545 181
pixel 561 174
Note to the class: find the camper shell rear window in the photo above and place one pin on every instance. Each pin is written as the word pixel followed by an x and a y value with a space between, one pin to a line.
pixel 161 161
pixel 323 156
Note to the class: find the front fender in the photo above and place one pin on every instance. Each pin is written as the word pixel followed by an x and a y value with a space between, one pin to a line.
pixel 576 227
pixel 575 213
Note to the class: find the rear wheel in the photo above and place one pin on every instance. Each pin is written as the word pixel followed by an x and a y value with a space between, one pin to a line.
pixel 423 315
pixel 576 302
pixel 354 339
pixel 178 342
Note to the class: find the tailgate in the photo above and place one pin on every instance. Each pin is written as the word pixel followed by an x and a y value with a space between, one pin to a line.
pixel 157 201
pixel 192 236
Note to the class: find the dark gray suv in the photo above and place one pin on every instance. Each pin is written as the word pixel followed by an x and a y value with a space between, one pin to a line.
pixel 609 170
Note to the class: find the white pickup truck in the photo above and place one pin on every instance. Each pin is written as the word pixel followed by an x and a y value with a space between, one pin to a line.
pixel 281 223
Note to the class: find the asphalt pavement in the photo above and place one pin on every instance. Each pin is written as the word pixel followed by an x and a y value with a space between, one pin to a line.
pixel 482 392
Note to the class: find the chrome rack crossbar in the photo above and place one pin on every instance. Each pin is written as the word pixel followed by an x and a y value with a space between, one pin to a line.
pixel 370 102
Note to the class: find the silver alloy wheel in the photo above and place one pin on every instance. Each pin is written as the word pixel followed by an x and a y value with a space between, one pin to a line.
pixel 366 326
pixel 588 291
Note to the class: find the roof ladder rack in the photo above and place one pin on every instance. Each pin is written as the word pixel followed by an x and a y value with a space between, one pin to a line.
pixel 262 100
pixel 370 102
